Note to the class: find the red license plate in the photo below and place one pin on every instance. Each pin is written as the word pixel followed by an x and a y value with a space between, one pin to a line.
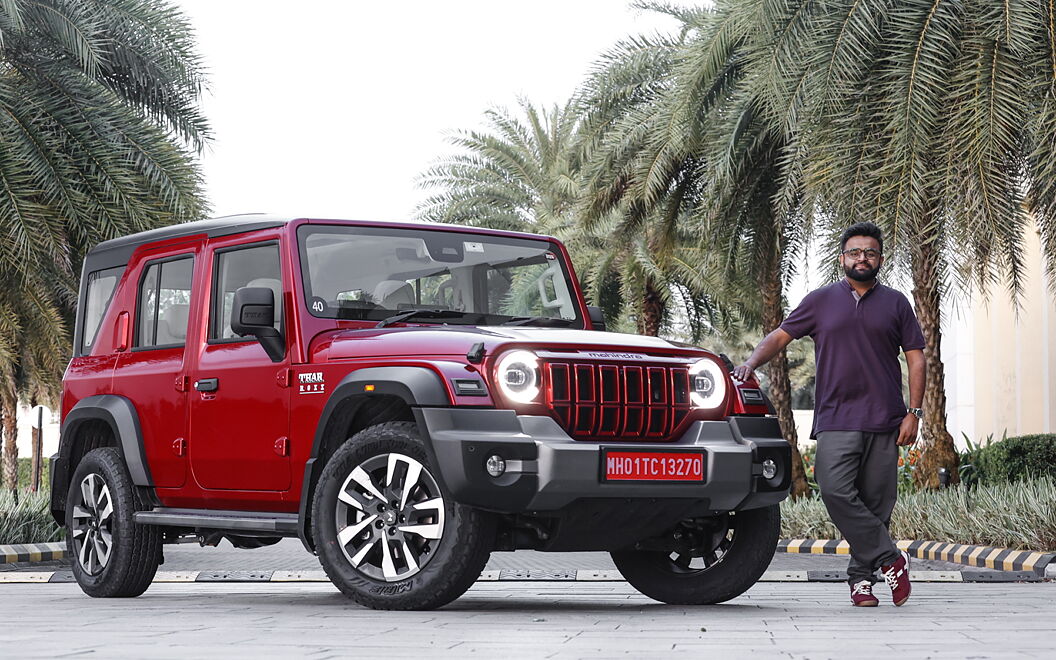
pixel 653 466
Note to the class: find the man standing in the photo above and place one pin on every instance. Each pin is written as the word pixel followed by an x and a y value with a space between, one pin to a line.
pixel 858 326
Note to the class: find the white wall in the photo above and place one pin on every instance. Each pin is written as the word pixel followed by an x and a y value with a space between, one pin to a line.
pixel 25 433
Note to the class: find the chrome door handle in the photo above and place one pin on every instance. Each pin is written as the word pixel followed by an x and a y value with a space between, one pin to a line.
pixel 207 384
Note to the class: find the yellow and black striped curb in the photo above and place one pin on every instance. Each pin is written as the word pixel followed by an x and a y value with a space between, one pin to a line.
pixel 1016 561
pixel 979 556
pixel 32 552
pixel 508 575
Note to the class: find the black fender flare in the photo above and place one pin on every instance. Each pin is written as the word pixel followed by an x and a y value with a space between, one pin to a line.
pixel 119 413
pixel 417 386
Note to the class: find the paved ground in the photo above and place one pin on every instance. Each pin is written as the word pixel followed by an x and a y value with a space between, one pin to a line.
pixel 525 619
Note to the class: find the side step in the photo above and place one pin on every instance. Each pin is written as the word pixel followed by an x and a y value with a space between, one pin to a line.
pixel 241 521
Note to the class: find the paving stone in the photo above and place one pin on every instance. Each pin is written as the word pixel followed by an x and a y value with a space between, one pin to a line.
pixel 537 574
pixel 176 576
pixel 299 576
pixel 234 576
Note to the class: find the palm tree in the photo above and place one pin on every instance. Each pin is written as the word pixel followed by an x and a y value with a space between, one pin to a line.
pixel 34 347
pixel 638 195
pixel 519 175
pixel 98 121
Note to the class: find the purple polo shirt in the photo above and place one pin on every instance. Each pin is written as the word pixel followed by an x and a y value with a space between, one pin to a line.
pixel 856 344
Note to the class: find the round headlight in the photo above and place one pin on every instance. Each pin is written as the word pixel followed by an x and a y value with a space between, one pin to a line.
pixel 518 376
pixel 708 384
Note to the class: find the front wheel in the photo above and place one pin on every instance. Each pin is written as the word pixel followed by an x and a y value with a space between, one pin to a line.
pixel 710 560
pixel 387 535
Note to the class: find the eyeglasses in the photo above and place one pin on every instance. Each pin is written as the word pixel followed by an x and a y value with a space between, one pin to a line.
pixel 857 253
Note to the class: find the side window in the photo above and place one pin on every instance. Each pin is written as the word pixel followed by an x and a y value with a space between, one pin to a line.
pixel 99 291
pixel 165 303
pixel 256 266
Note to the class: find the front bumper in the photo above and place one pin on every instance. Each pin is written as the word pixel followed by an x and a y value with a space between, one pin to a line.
pixel 547 470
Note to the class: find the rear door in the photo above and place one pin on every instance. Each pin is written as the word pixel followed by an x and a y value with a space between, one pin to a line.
pixel 152 373
pixel 239 398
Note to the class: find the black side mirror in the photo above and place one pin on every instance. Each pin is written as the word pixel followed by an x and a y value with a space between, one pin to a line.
pixel 597 318
pixel 253 313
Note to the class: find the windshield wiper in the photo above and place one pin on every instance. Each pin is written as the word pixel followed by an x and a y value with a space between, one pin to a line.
pixel 423 313
pixel 541 320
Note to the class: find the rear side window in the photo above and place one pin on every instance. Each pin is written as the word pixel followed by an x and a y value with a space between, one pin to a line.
pixel 99 291
pixel 256 266
pixel 165 303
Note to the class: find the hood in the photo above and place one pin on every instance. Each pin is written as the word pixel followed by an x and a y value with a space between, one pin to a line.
pixel 458 340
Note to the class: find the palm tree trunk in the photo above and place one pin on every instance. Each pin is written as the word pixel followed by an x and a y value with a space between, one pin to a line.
pixel 652 315
pixel 780 385
pixel 936 443
pixel 10 447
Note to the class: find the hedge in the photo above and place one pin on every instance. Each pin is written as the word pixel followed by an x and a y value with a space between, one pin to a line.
pixel 1011 459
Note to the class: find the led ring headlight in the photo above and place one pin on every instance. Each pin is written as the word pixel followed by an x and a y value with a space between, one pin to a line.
pixel 707 384
pixel 518 376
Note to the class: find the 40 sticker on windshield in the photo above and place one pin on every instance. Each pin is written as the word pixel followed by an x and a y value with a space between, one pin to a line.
pixel 311 382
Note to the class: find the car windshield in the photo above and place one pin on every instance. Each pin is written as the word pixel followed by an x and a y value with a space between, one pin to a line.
pixel 375 273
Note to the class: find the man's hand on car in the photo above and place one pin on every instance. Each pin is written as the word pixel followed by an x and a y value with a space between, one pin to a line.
pixel 743 372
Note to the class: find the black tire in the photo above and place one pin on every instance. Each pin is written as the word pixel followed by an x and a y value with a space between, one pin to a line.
pixel 743 546
pixel 443 567
pixel 128 568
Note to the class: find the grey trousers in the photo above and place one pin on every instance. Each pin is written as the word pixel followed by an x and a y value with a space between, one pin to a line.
pixel 857 472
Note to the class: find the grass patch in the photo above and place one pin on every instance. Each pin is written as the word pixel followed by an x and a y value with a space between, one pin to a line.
pixel 1019 516
pixel 25 518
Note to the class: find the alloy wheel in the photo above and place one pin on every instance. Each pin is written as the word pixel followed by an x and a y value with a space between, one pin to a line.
pixel 390 517
pixel 93 524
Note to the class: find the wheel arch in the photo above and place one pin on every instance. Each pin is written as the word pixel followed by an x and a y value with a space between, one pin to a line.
pixel 103 420
pixel 392 395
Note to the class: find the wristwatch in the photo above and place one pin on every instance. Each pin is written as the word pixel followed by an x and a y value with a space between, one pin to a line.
pixel 918 412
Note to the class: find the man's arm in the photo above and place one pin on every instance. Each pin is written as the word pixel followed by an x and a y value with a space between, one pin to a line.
pixel 918 376
pixel 763 353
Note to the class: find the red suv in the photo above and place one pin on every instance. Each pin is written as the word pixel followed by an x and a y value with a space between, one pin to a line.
pixel 406 399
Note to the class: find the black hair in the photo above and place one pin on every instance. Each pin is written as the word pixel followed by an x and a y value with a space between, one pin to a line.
pixel 862 229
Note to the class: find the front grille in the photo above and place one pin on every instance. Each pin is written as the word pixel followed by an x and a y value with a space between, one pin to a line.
pixel 617 402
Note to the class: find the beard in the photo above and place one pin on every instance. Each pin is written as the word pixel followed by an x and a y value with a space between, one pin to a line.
pixel 867 274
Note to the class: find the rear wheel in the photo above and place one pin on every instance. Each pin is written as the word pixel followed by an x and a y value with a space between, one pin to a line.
pixel 387 535
pixel 709 560
pixel 112 556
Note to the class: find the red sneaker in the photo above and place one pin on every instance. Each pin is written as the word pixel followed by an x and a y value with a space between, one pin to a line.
pixel 897 577
pixel 862 594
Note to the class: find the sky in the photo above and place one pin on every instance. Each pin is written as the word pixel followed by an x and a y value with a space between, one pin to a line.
pixel 331 108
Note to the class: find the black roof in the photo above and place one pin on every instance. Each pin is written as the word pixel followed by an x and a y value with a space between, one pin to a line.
pixel 118 251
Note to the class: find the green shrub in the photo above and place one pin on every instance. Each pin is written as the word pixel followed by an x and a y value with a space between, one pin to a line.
pixel 1011 459
pixel 1020 516
pixel 25 468
pixel 25 518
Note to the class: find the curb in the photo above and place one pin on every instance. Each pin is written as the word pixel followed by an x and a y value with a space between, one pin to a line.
pixel 512 575
pixel 32 552
pixel 1042 564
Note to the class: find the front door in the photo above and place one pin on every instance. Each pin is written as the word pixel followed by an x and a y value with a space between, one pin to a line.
pixel 239 398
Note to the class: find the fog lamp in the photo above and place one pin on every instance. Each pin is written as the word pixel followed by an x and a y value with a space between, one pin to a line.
pixel 496 465
pixel 769 469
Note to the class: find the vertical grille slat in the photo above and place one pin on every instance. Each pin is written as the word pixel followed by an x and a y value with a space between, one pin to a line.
pixel 614 401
